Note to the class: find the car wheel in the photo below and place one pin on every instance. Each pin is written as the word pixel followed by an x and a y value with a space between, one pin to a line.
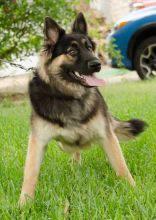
pixel 145 58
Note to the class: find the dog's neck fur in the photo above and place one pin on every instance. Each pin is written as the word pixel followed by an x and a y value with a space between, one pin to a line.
pixel 48 72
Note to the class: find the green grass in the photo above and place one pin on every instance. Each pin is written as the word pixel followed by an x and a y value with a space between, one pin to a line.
pixel 91 191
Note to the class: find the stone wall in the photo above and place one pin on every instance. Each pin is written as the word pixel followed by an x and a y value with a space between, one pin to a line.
pixel 112 9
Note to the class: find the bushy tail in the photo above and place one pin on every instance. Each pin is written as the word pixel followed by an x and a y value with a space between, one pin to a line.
pixel 126 130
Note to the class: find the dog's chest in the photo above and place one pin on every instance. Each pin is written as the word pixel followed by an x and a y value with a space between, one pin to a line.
pixel 72 121
pixel 61 109
pixel 71 138
pixel 73 111
pixel 75 136
pixel 82 135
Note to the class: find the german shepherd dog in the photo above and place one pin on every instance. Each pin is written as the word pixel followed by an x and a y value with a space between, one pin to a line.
pixel 68 107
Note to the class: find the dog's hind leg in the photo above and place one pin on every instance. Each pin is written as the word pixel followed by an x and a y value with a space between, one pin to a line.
pixel 74 153
pixel 76 158
pixel 113 151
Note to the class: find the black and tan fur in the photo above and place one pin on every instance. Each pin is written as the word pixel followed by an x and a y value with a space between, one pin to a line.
pixel 65 108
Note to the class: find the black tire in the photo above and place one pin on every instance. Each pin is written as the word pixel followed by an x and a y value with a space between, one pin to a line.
pixel 142 49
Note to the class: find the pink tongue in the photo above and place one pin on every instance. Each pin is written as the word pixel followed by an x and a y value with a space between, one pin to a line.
pixel 94 81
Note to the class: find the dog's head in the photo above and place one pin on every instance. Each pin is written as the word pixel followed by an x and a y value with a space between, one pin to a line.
pixel 71 55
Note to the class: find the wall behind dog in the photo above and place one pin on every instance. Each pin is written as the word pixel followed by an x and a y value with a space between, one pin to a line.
pixel 112 9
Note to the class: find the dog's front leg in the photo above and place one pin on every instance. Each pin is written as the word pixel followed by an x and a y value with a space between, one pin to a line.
pixel 36 148
pixel 113 150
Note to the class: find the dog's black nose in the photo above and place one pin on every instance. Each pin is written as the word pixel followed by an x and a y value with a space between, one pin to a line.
pixel 94 65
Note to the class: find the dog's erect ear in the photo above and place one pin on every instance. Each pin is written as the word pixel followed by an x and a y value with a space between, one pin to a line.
pixel 80 25
pixel 52 31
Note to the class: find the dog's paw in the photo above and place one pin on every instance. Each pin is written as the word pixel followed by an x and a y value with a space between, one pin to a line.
pixel 23 200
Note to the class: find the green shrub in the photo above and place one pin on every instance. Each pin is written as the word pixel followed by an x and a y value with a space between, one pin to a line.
pixel 114 53
pixel 21 24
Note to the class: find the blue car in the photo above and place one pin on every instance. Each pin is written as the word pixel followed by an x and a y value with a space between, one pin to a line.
pixel 135 37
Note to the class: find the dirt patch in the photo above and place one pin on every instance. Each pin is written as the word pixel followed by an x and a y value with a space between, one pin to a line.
pixel 15 98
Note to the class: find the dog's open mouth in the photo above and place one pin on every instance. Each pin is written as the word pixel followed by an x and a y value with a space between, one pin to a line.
pixel 89 80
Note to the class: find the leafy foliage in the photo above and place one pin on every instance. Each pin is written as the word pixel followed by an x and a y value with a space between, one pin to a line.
pixel 113 51
pixel 21 24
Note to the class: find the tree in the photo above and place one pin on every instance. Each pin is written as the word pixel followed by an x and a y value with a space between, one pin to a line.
pixel 21 24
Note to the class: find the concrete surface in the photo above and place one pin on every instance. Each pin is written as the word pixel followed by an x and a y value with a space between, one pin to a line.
pixel 11 85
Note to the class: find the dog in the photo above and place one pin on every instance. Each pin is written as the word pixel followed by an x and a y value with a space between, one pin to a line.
pixel 68 107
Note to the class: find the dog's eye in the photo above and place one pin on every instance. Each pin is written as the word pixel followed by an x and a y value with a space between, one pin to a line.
pixel 72 52
pixel 89 47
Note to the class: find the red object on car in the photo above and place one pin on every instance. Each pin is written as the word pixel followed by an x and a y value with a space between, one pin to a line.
pixel 139 4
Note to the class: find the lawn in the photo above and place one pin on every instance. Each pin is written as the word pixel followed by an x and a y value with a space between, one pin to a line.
pixel 90 191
